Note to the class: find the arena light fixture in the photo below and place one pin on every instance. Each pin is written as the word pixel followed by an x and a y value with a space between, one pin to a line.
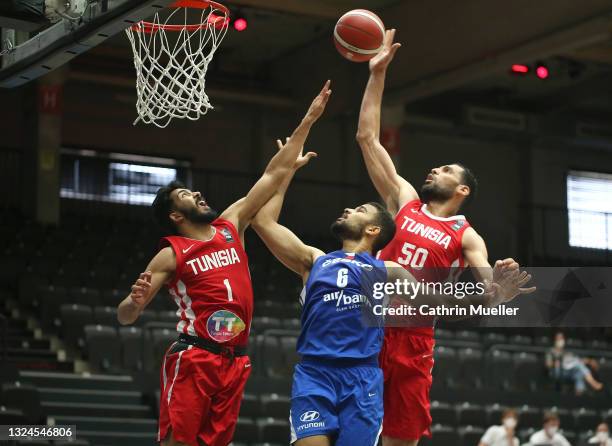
pixel 240 22
pixel 519 69
pixel 542 71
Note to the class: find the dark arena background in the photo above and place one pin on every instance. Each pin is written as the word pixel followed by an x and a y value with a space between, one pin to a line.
pixel 521 92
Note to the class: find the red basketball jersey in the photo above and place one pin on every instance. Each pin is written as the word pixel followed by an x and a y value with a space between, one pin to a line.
pixel 212 285
pixel 429 247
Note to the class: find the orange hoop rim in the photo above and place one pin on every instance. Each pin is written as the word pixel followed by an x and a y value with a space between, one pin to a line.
pixel 149 27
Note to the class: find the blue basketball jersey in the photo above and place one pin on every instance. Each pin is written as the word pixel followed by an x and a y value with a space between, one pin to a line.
pixel 337 321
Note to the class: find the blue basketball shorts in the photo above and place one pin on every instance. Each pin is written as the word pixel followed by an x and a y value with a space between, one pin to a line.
pixel 342 402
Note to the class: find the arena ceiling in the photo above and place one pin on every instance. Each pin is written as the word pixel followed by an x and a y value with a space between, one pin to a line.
pixel 452 52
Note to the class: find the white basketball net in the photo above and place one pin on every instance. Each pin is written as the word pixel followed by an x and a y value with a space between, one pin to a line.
pixel 171 61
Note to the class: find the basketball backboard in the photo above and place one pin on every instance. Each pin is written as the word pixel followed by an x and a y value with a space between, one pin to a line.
pixel 32 45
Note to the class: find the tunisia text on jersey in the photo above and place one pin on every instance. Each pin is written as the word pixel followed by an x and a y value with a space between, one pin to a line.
pixel 429 247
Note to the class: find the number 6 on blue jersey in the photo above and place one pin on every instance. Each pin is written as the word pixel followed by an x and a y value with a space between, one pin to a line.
pixel 342 277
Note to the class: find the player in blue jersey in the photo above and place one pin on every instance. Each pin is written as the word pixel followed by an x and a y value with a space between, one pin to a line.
pixel 338 385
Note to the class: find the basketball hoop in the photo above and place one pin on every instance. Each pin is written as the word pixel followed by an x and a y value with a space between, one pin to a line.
pixel 171 56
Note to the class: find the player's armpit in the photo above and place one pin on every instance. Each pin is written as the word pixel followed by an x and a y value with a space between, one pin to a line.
pixel 475 253
pixel 286 246
pixel 406 192
pixel 242 211
pixel 159 271
pixel 232 213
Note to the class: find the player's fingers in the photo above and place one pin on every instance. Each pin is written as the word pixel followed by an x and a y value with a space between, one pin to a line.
pixel 507 274
pixel 511 263
pixel 325 98
pixel 511 270
pixel 524 280
pixel 395 47
pixel 311 155
pixel 496 286
pixel 389 37
pixel 148 275
pixel 527 290
pixel 487 285
pixel 492 289
pixel 143 283
pixel 325 86
pixel 279 144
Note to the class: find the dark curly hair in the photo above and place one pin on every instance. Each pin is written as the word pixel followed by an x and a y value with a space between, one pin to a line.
pixel 163 206
pixel 387 226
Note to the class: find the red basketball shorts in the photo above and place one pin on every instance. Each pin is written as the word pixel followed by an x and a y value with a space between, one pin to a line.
pixel 407 360
pixel 200 395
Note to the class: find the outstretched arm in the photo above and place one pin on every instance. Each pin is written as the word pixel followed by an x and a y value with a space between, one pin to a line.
pixel 417 293
pixel 505 276
pixel 283 243
pixel 159 271
pixel 393 189
pixel 280 166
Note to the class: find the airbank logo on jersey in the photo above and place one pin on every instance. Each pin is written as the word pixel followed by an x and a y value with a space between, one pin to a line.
pixel 427 232
pixel 213 260
pixel 347 301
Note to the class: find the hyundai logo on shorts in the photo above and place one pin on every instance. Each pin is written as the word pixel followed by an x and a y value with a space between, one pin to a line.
pixel 311 415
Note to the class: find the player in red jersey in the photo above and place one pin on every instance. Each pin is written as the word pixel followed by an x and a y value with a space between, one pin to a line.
pixel 431 239
pixel 205 267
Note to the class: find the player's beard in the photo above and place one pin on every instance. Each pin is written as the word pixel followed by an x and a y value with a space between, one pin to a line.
pixel 431 192
pixel 343 231
pixel 196 216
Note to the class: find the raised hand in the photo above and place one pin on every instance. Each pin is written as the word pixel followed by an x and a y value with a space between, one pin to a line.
pixel 301 160
pixel 319 102
pixel 381 61
pixel 141 289
pixel 509 280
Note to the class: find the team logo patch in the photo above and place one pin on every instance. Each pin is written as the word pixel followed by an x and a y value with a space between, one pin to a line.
pixel 224 325
pixel 228 235
pixel 458 225
pixel 311 415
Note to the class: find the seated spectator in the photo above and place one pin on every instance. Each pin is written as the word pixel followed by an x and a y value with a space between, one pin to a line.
pixel 602 437
pixel 549 435
pixel 502 435
pixel 566 366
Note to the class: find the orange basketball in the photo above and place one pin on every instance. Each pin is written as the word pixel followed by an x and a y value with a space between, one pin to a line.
pixel 359 35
